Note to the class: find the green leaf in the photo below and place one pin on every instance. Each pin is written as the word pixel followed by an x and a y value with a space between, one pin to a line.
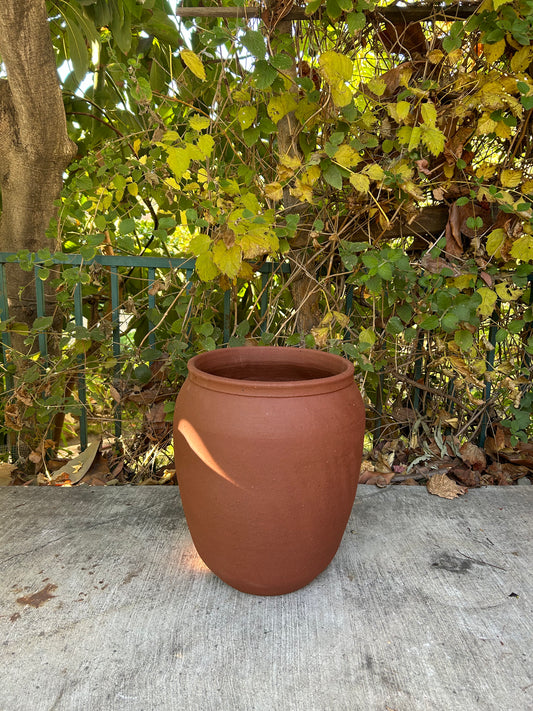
pixel 264 74
pixel 355 21
pixel 79 53
pixel 246 116
pixel 42 323
pixel 464 339
pixel 394 326
pixel 141 91
pixel 126 226
pixel 254 42
pixel 333 176
pixel 367 335
pixel 282 62
pixel 430 322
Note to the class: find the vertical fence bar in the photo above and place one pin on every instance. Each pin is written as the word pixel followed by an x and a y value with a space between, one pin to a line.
pixel 263 304
pixel 151 305
pixel 41 311
pixel 348 306
pixel 418 370
pixel 115 320
pixel 489 365
pixel 4 316
pixel 227 310
pixel 82 385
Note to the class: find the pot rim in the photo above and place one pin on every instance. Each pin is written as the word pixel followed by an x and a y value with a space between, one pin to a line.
pixel 342 371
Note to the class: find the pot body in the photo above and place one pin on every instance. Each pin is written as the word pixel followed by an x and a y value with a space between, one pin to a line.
pixel 268 444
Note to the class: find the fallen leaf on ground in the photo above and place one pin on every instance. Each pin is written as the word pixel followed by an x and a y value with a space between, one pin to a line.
pixel 78 467
pixel 6 470
pixel 472 455
pixel 441 485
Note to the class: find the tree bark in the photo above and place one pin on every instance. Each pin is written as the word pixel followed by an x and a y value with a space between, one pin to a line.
pixel 34 145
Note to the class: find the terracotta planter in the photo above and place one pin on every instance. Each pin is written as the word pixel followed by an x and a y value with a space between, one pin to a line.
pixel 268 444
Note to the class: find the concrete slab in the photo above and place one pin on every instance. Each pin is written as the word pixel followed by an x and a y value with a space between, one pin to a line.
pixel 106 606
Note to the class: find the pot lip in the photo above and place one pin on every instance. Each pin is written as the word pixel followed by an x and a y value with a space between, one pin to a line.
pixel 342 371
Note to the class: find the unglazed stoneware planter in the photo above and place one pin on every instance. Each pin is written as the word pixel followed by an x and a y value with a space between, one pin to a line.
pixel 268 444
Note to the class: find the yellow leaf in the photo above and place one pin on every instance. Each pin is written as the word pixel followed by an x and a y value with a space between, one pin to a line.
pixel 495 242
pixel 488 300
pixel 341 95
pixel 206 143
pixel 228 260
pixel 200 244
pixel 346 156
pixel 133 189
pixel 502 130
pixel 433 139
pixel 199 123
pixel 360 182
pixel 435 56
pixel 205 267
pixel 493 52
pixel 178 161
pixel 302 191
pixel 136 145
pixel 377 86
pixel 464 281
pixel 506 292
pixel 312 174
pixel 449 170
pixel 291 162
pixel 194 63
pixel 429 113
pixel 527 187
pixel 274 191
pixel 280 106
pixel 523 248
pixel 402 109
pixel 521 60
pixel 486 171
pixel 335 66
pixel 374 171
pixel 510 178
pixel 337 69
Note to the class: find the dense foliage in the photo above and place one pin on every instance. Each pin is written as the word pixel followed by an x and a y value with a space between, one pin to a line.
pixel 387 161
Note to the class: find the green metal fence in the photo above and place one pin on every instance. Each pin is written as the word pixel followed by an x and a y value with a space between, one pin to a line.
pixel 152 267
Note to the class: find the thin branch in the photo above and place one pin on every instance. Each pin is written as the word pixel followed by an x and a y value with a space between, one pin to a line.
pixel 392 13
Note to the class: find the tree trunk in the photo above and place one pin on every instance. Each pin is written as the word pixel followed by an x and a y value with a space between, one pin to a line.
pixel 34 145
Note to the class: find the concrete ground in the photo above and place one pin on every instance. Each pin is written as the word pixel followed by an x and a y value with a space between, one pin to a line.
pixel 106 606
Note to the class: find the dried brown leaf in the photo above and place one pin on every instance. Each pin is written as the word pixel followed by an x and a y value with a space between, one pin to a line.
pixel 441 485
pixel 472 455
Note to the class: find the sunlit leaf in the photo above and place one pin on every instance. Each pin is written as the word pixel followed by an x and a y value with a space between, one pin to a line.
pixel 488 301
pixel 206 267
pixel 194 63
pixel 227 259
pixel 199 123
